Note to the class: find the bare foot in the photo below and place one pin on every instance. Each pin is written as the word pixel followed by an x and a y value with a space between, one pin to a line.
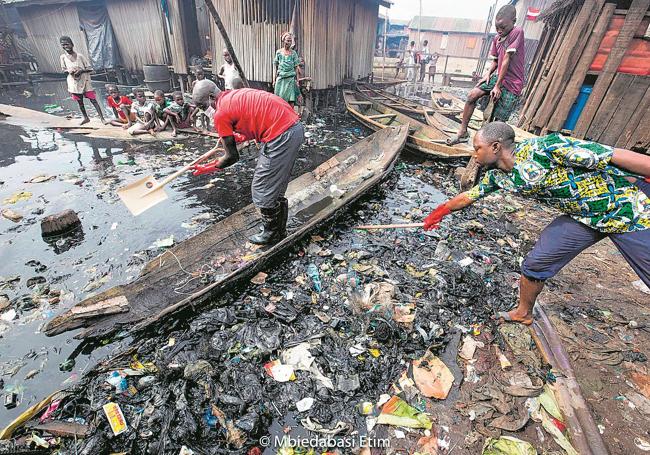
pixel 84 121
pixel 514 316
pixel 174 133
pixel 105 122
pixel 152 132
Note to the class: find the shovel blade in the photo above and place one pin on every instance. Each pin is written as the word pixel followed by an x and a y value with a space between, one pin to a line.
pixel 138 196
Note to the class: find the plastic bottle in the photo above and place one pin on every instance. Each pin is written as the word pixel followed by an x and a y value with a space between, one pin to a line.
pixel 313 273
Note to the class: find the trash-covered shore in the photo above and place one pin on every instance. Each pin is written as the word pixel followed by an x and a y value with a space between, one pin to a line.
pixel 43 172
pixel 382 340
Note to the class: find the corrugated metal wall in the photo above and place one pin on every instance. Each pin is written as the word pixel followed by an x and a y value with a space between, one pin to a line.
pixel 44 25
pixel 139 32
pixel 336 37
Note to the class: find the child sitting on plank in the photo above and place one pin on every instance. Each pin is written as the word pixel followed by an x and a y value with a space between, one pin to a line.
pixel 144 113
pixel 160 103
pixel 121 106
pixel 179 113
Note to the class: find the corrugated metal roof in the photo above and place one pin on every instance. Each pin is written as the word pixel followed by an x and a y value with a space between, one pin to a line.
pixel 448 24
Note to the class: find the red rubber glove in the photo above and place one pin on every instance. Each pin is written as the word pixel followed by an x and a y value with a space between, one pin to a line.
pixel 200 169
pixel 432 221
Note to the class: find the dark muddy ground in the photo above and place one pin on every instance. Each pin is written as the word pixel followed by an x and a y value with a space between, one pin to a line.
pixel 210 391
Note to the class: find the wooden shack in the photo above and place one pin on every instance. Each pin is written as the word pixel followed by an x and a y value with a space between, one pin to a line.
pixel 591 73
pixel 336 38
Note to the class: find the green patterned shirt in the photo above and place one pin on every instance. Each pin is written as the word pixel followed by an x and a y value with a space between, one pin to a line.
pixel 576 177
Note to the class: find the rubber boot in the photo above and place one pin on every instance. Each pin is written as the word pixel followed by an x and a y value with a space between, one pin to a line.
pixel 270 226
pixel 284 215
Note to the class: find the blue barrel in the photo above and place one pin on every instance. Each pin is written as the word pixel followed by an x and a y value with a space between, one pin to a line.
pixel 578 106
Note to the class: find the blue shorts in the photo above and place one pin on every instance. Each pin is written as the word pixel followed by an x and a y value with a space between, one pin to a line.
pixel 565 238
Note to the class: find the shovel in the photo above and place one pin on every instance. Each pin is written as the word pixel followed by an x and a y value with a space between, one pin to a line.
pixel 143 194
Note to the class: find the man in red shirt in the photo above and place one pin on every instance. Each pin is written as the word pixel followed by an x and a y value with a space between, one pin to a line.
pixel 267 118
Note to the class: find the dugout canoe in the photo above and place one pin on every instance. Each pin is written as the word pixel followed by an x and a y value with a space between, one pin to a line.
pixel 391 100
pixel 423 139
pixel 201 267
pixel 446 103
pixel 451 126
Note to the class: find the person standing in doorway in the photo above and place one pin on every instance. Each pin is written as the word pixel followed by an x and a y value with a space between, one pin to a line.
pixel 228 71
pixel 505 79
pixel 78 69
pixel 287 71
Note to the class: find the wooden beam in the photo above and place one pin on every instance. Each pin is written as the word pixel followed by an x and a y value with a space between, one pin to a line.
pixel 630 101
pixel 374 117
pixel 582 67
pixel 360 103
pixel 641 136
pixel 226 39
pixel 568 57
pixel 635 121
pixel 634 17
pixel 609 105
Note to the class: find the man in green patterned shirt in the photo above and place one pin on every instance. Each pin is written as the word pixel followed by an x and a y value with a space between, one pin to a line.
pixel 598 187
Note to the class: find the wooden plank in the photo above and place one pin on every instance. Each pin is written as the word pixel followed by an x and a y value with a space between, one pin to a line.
pixel 640 138
pixel 533 102
pixel 577 78
pixel 381 116
pixel 569 56
pixel 634 17
pixel 609 105
pixel 629 104
pixel 634 123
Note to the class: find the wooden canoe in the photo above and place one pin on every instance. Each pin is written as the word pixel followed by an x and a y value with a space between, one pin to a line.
pixel 423 139
pixel 451 126
pixel 393 101
pixel 201 267
pixel 446 103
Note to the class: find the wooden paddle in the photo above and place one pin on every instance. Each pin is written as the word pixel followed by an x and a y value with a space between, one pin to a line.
pixel 389 226
pixel 143 194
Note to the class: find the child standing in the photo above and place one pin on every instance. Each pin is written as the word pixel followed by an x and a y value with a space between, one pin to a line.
pixel 144 114
pixel 228 71
pixel 78 69
pixel 121 106
pixel 506 76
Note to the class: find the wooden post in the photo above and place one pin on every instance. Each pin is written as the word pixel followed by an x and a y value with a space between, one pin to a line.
pixel 444 76
pixel 635 15
pixel 226 39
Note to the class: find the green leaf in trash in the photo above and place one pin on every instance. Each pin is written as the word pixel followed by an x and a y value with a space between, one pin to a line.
pixel 399 413
pixel 548 401
pixel 507 445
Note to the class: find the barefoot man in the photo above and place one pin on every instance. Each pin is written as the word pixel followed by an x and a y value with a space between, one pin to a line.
pixel 78 69
pixel 601 191
pixel 504 81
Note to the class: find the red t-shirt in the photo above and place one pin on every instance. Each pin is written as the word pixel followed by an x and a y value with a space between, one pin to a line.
pixel 255 114
pixel 117 105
